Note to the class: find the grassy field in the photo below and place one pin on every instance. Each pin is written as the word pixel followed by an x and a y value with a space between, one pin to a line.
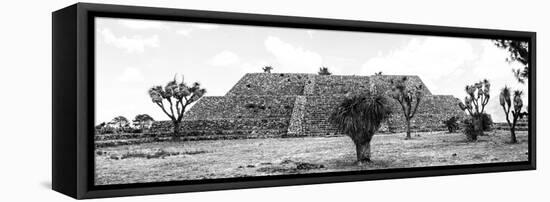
pixel 170 161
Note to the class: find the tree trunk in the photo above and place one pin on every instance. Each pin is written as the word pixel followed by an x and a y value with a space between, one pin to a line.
pixel 478 128
pixel 176 134
pixel 408 130
pixel 363 152
pixel 513 135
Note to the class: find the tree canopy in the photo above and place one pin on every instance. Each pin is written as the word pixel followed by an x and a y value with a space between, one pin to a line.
pixel 519 52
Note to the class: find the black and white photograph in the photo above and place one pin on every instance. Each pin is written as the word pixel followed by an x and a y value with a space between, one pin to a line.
pixel 184 101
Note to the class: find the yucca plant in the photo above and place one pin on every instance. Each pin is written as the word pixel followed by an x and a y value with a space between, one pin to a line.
pixel 409 97
pixel 474 103
pixel 506 103
pixel 324 71
pixel 173 100
pixel 267 69
pixel 360 117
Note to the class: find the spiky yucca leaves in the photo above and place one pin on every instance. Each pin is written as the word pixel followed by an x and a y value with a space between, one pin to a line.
pixel 324 71
pixel 506 103
pixel 474 103
pixel 360 117
pixel 174 98
pixel 409 97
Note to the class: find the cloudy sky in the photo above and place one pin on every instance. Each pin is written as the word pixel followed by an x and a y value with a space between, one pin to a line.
pixel 133 55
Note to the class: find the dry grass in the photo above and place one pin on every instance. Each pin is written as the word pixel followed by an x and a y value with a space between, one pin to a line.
pixel 169 161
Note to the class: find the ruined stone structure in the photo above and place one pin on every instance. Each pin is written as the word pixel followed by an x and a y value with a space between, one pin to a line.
pixel 287 105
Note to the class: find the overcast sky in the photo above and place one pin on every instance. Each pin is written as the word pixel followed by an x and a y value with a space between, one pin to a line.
pixel 133 55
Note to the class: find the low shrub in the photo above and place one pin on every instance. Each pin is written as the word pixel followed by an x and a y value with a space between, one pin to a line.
pixel 476 125
pixel 486 122
pixel 452 124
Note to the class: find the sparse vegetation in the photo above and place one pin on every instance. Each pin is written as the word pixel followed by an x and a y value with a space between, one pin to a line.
pixel 239 158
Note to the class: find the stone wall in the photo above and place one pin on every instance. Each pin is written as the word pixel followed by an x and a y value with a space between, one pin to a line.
pixel 238 107
pixel 296 127
pixel 270 84
pixel 430 114
pixel 340 85
pixel 382 83
pixel 279 105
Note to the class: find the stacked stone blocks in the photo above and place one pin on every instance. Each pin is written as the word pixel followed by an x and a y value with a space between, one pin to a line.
pixel 294 105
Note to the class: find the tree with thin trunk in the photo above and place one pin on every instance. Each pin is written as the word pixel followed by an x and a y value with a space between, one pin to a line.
pixel 121 121
pixel 409 97
pixel 267 69
pixel 360 117
pixel 519 52
pixel 474 103
pixel 141 120
pixel 506 103
pixel 324 71
pixel 174 99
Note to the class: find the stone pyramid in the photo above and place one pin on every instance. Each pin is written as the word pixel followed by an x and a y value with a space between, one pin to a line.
pixel 290 104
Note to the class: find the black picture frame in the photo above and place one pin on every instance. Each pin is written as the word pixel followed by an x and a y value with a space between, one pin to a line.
pixel 73 99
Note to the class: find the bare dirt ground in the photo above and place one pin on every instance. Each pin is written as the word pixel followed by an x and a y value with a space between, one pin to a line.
pixel 173 161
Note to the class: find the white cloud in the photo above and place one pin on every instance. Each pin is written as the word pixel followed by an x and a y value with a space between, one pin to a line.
pixel 142 24
pixel 447 65
pixel 134 44
pixel 431 58
pixel 131 75
pixel 224 58
pixel 292 58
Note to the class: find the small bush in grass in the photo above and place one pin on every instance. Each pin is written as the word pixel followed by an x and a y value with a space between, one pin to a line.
pixel 452 124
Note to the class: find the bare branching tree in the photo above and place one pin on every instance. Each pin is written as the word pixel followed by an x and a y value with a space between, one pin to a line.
pixel 141 120
pixel 409 98
pixel 174 99
pixel 506 103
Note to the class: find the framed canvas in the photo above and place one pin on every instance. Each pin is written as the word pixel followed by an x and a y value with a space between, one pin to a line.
pixel 158 100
